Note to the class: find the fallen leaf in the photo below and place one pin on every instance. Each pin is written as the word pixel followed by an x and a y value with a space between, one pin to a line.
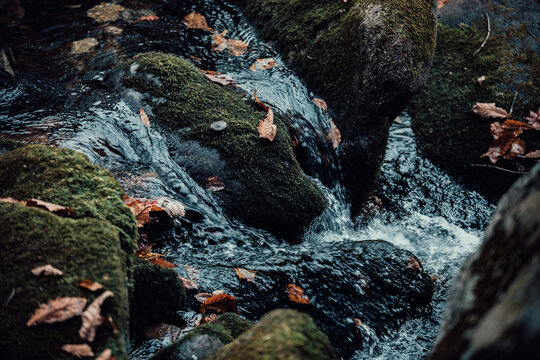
pixel 89 285
pixel 414 264
pixel 217 77
pixel 489 110
pixel 143 208
pixel 148 18
pixel 202 297
pixel 248 275
pixel 144 117
pixel 106 355
pixel 161 262
pixel 91 317
pixel 11 200
pixel 503 140
pixel 50 207
pixel 220 303
pixel 533 155
pixel 193 273
pixel 210 318
pixel 113 30
pixel 321 103
pixel 4 63
pixel 441 3
pixel 214 183
pixel 105 12
pixel 514 125
pixel 173 208
pixel 360 325
pixel 195 20
pixel 263 64
pixel 110 323
pixel 218 292
pixel 259 102
pixel 334 136
pixel 397 120
pixel 47 270
pixel 220 42
pixel 516 148
pixel 534 119
pixel 266 128
pixel 83 46
pixel 296 294
pixel 78 350
pixel 189 284
pixel 481 79
pixel 59 309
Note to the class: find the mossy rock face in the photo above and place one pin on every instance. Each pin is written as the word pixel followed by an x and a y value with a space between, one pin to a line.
pixel 264 185
pixel 448 132
pixel 96 244
pixel 279 335
pixel 365 57
pixel 157 296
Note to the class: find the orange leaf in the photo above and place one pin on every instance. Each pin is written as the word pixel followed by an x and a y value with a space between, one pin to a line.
pixel 516 148
pixel 144 118
pixel 91 317
pixel 47 270
pixel 202 297
pixel 220 303
pixel 261 104
pixel 220 43
pixel 441 3
pixel 334 136
pixel 78 350
pixel 296 294
pixel 243 274
pixel 267 129
pixel 263 64
pixel 196 21
pixel 217 77
pixel 514 124
pixel 89 284
pixel 59 309
pixel 503 140
pixel 148 18
pixel 161 262
pixel 321 103
pixel 533 155
pixel 189 284
pixel 214 183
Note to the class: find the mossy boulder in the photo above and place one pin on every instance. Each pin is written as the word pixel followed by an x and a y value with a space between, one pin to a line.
pixel 447 130
pixel 96 244
pixel 264 185
pixel 157 296
pixel 279 335
pixel 366 58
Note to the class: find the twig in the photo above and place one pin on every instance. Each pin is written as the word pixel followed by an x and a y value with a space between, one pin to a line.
pixel 499 168
pixel 487 36
pixel 513 102
pixel 10 297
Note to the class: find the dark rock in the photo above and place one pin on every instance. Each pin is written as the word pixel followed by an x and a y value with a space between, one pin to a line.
pixel 494 307
pixel 198 347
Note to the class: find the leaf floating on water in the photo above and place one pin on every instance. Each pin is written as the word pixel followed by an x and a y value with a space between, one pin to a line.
pixel 144 118
pixel 243 274
pixel 189 284
pixel 266 128
pixel 202 297
pixel 105 12
pixel 220 303
pixel 83 46
pixel 334 135
pixel 59 309
pixel 47 270
pixel 217 77
pixel 142 208
pixel 321 103
pixel 50 207
pixel 78 350
pixel 214 183
pixel 173 208
pixel 91 317
pixel 89 285
pixel 106 355
pixel 534 119
pixel 414 264
pixel 489 110
pixel 259 102
pixel 220 42
pixel 195 20
pixel 296 294
pixel 263 64
pixel 533 155
pixel 148 18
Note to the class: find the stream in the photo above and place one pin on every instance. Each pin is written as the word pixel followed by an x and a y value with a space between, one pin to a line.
pixel 61 99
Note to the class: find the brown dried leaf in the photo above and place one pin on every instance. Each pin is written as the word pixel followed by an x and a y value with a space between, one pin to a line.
pixel 334 136
pixel 141 208
pixel 53 208
pixel 321 103
pixel 516 148
pixel 259 102
pixel 296 294
pixel 503 140
pixel 161 262
pixel 148 18
pixel 217 77
pixel 193 273
pixel 220 303
pixel 243 274
pixel 220 42
pixel 89 285
pixel 78 350
pixel 144 118
pixel 59 309
pixel 263 64
pixel 172 207
pixel 533 155
pixel 106 355
pixel 414 264
pixel 359 326
pixel 534 119
pixel 202 297
pixel 214 183
pixel 11 200
pixel 489 110
pixel 91 317
pixel 196 21
pixel 189 284
pixel 514 125
pixel 481 79
pixel 210 318
pixel 441 3
pixel 267 129
pixel 83 46
pixel 47 270
pixel 105 12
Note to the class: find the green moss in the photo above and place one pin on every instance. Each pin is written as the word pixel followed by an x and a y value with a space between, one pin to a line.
pixel 447 130
pixel 280 335
pixel 274 194
pixel 82 249
pixel 7 144
pixel 157 296
pixel 234 323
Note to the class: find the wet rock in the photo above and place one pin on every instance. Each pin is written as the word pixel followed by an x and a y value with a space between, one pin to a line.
pixel 448 132
pixel 218 125
pixel 366 58
pixel 95 242
pixel 263 183
pixel 281 334
pixel 198 347
pixel 494 307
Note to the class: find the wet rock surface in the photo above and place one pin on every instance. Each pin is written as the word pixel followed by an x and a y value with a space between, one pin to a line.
pixel 493 310
pixel 199 347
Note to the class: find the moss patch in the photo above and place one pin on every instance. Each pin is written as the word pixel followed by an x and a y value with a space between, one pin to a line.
pixel 280 335
pixel 273 193
pixel 447 130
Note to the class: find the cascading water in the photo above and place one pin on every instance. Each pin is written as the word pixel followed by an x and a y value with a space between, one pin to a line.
pixel 424 210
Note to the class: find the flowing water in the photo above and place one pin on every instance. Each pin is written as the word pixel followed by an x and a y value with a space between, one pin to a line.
pixel 60 99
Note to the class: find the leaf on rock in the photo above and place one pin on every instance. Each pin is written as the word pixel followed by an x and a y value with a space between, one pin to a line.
pixel 517 148
pixel 321 103
pixel 173 208
pixel 220 303
pixel 189 284
pixel 489 110
pixel 50 207
pixel 195 20
pixel 11 200
pixel 214 183
pixel 148 18
pixel 144 118
pixel 78 350
pixel 359 326
pixel 158 260
pixel 481 79
pixel 210 318
pixel 89 285
pixel 266 128
pixel 534 119
pixel 334 135
pixel 296 294
pixel 533 155
pixel 202 297
pixel 83 46
pixel 259 102
pixel 514 125
pixel 47 270
pixel 59 309
pixel 105 12
pixel 143 208
pixel 91 317
pixel 220 42
pixel 106 355
pixel 248 275
pixel 263 64
pixel 503 140
pixel 217 77
pixel 441 3
pixel 414 265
